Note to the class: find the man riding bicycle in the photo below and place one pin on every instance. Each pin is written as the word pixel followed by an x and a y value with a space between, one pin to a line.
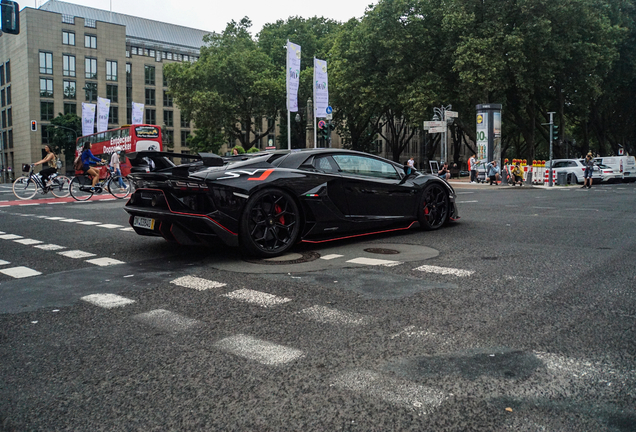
pixel 88 157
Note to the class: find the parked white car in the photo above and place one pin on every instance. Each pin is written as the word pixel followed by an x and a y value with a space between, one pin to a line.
pixel 600 174
pixel 624 165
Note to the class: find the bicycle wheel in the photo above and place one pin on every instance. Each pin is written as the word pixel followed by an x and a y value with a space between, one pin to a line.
pixel 80 188
pixel 60 186
pixel 24 188
pixel 115 190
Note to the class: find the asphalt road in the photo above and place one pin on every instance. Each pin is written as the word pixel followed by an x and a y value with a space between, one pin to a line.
pixel 521 317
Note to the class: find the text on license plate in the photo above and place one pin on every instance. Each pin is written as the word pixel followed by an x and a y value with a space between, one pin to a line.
pixel 144 222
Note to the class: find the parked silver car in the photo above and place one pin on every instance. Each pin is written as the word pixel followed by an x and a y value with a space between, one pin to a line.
pixel 600 174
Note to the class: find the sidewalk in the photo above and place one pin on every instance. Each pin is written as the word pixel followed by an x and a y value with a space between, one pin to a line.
pixel 464 182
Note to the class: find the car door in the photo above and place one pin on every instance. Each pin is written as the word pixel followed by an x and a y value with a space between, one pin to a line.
pixel 330 191
pixel 373 188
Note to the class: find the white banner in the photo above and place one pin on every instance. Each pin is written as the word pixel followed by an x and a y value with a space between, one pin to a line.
pixel 88 118
pixel 137 113
pixel 321 88
pixel 103 106
pixel 293 75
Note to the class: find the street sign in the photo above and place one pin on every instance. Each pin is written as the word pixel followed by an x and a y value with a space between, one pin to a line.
pixel 321 124
pixel 329 116
pixel 437 130
pixel 620 152
pixel 450 114
pixel 434 124
pixel 329 110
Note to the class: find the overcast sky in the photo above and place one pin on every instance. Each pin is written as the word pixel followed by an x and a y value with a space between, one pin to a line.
pixel 213 15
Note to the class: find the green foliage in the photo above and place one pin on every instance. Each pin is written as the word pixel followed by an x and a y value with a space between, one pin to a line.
pixel 253 150
pixel 240 149
pixel 205 141
pixel 63 132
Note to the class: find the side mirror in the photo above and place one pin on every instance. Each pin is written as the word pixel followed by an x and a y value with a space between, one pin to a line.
pixel 10 11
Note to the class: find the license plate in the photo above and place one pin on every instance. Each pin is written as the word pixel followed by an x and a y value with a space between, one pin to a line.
pixel 144 222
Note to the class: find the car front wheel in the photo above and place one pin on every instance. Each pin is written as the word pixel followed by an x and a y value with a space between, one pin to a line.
pixel 434 207
pixel 270 224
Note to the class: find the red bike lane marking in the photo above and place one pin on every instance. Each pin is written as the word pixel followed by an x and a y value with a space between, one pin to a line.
pixel 31 202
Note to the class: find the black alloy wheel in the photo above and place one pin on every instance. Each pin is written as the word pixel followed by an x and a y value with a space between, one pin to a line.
pixel 270 224
pixel 434 207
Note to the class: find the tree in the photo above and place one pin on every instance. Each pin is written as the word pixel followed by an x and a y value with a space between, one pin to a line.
pixel 63 132
pixel 205 141
pixel 232 83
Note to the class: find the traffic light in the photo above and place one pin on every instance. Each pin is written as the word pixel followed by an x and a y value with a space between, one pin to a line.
pixel 34 126
pixel 555 132
pixel 10 17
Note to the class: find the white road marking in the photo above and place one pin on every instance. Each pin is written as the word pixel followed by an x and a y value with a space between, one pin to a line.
pixel 10 237
pixel 391 390
pixel 76 254
pixel 53 203
pixel 197 283
pixel 464 202
pixel 327 315
pixel 444 270
pixel 20 272
pixel 374 261
pixel 50 247
pixel 110 226
pixel 3 262
pixel 331 256
pixel 464 193
pixel 26 205
pixel 55 218
pixel 103 262
pixel 107 300
pixel 256 297
pixel 547 208
pixel 127 229
pixel 166 320
pixel 28 241
pixel 70 220
pixel 88 223
pixel 264 352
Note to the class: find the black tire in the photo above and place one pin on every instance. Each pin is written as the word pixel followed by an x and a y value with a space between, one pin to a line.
pixel 434 207
pixel 270 224
pixel 24 188
pixel 79 188
pixel 60 186
pixel 115 190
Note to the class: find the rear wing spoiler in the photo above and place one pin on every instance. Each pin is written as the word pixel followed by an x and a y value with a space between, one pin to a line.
pixel 161 159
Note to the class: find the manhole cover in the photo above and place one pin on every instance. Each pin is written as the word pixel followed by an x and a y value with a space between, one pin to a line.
pixel 382 251
pixel 290 258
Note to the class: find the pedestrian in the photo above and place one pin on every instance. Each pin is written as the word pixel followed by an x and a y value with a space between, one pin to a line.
pixel 472 167
pixel 115 166
pixel 444 173
pixel 493 173
pixel 517 172
pixel 589 169
pixel 235 152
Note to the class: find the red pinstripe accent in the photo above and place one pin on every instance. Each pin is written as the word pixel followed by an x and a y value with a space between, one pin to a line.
pixel 263 176
pixel 358 235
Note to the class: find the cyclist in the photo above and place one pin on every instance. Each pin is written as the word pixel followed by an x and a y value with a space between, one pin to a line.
pixel 51 160
pixel 115 166
pixel 87 158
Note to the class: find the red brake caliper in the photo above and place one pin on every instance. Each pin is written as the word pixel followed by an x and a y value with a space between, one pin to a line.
pixel 281 219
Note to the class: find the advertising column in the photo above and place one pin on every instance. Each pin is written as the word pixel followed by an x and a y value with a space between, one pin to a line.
pixel 488 137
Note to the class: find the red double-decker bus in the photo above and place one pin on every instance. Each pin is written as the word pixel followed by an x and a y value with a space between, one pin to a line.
pixel 131 138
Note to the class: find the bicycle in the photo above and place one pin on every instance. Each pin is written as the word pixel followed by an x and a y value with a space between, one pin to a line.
pixel 81 188
pixel 26 186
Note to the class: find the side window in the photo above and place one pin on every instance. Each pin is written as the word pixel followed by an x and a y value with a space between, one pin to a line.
pixel 325 164
pixel 365 166
pixel 559 165
pixel 572 164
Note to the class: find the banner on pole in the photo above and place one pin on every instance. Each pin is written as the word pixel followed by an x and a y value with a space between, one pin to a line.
pixel 293 75
pixel 88 118
pixel 103 106
pixel 137 113
pixel 321 85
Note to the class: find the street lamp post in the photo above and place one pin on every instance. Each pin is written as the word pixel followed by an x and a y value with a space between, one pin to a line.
pixel 440 114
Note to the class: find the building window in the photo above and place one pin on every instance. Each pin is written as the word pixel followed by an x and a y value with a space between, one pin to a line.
pixel 46 87
pixel 111 70
pixel 113 115
pixel 129 74
pixel 134 50
pixel 128 115
pixel 46 136
pixel 8 95
pixel 185 122
pixel 11 138
pixel 90 65
pixel 46 111
pixel 169 55
pixel 68 38
pixel 186 58
pixel 150 97
pixel 127 53
pixel 4 119
pixel 90 90
pixel 163 55
pixel 9 117
pixel 70 89
pixel 1 74
pixel 112 92
pixel 168 118
pixel 151 53
pixel 167 99
pixel 184 137
pixel 151 116
pixel 8 70
pixel 68 65
pixel 129 96
pixel 70 108
pixel 149 73
pixel 46 63
pixel 146 52
pixel 68 19
pixel 88 22
pixel 2 97
pixel 90 41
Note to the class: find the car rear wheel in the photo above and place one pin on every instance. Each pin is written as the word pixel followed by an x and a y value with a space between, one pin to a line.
pixel 270 224
pixel 434 207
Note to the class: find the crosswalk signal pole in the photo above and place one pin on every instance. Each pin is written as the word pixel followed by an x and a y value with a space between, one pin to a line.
pixel 550 182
